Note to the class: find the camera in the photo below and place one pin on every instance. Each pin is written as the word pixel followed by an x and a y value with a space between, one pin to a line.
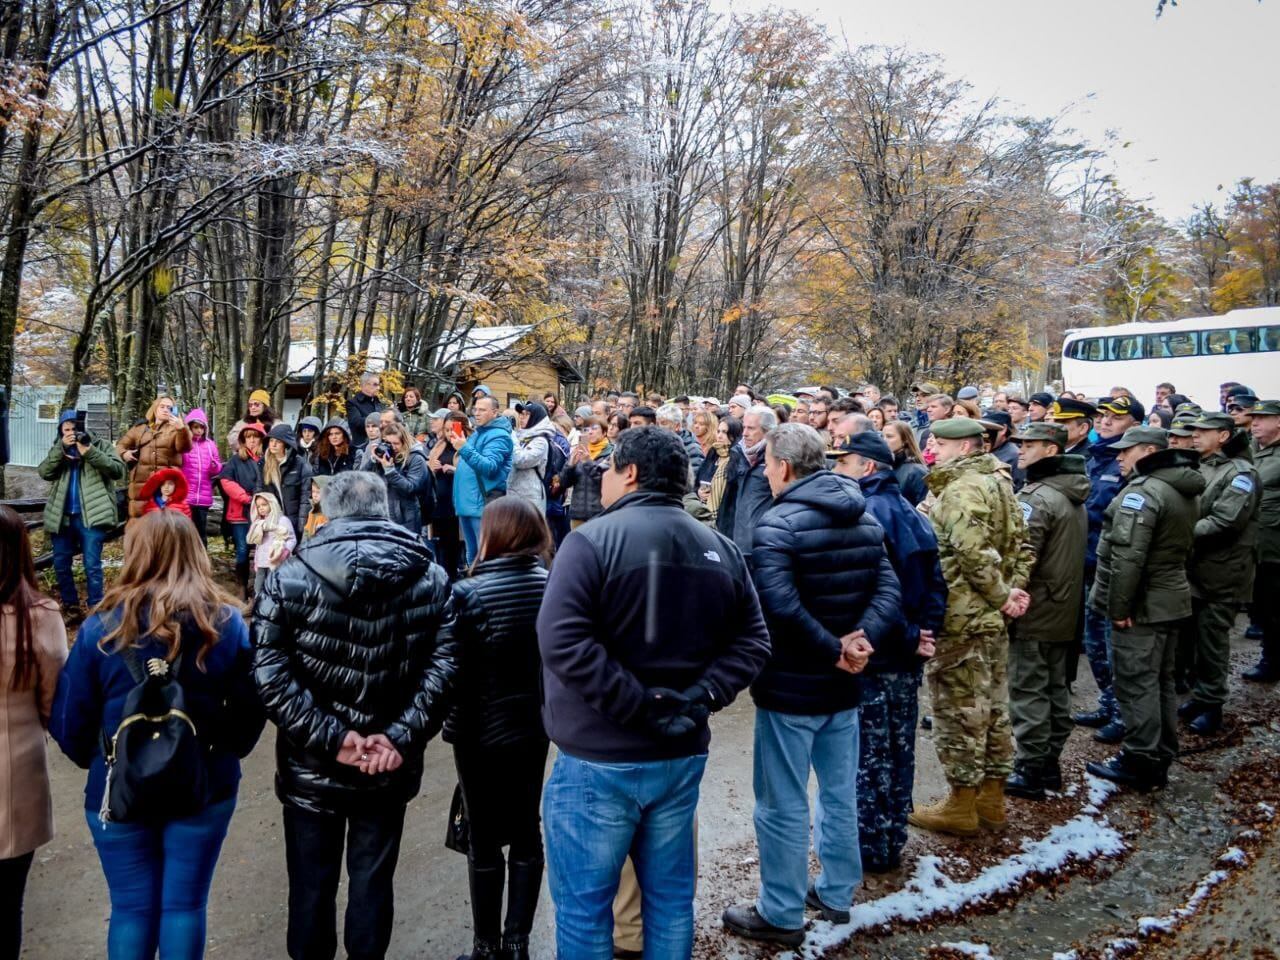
pixel 84 438
pixel 382 451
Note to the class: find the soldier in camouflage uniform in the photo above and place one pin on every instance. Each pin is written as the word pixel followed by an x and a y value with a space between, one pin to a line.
pixel 985 562
pixel 1042 642
pixel 1222 562
pixel 1142 588
pixel 1265 415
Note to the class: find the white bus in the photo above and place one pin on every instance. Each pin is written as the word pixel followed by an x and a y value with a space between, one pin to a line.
pixel 1196 355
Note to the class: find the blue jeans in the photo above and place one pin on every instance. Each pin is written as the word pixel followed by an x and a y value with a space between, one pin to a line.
pixel 471 534
pixel 200 517
pixel 594 814
pixel 158 876
pixel 240 537
pixel 73 538
pixel 786 747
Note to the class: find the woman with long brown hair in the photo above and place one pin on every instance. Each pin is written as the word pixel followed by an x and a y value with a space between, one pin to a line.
pixel 908 462
pixel 158 442
pixel 33 646
pixel 165 611
pixel 499 746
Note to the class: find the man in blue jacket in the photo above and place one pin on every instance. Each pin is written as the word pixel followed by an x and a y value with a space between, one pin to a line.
pixel 831 599
pixel 650 622
pixel 483 463
pixel 890 684
pixel 1115 416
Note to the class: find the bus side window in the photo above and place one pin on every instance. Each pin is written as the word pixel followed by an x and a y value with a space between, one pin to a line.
pixel 1124 348
pixel 1227 341
pixel 1165 345
pixel 1269 338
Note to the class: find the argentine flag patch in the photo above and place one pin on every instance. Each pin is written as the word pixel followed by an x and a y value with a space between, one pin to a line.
pixel 1026 512
pixel 1243 482
pixel 1133 501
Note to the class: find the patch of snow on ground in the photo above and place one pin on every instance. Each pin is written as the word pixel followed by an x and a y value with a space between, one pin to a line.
pixel 1267 809
pixel 1099 792
pixel 1122 947
pixel 1151 925
pixel 1069 955
pixel 1234 856
pixel 980 951
pixel 930 892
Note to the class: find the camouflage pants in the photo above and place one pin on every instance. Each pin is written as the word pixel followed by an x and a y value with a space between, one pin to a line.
pixel 886 764
pixel 969 687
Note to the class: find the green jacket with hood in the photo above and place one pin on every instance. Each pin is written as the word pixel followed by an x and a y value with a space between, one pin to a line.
pixel 1147 536
pixel 1222 562
pixel 100 470
pixel 1053 506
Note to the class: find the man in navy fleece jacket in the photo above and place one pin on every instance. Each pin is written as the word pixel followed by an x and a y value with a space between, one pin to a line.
pixel 650 622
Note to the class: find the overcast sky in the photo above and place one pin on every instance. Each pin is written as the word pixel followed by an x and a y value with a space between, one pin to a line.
pixel 1193 93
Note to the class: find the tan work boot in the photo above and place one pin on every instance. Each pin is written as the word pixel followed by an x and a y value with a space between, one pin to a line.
pixel 990 804
pixel 956 814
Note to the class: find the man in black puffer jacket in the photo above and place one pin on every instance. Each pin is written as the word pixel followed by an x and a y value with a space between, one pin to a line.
pixel 830 598
pixel 354 669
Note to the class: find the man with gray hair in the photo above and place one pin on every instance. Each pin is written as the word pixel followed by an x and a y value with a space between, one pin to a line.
pixel 354 661
pixel 830 599
pixel 671 418
pixel 362 403
pixel 747 495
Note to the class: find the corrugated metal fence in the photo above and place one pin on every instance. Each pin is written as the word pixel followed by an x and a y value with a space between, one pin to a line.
pixel 33 419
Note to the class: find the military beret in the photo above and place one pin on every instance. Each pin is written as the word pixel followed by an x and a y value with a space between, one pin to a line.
pixel 1123 406
pixel 957 428
pixel 1044 399
pixel 1266 408
pixel 1052 432
pixel 967 393
pixel 1072 410
pixel 1213 420
pixel 1139 435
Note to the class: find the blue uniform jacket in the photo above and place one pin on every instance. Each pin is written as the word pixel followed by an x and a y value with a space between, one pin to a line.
pixel 1105 482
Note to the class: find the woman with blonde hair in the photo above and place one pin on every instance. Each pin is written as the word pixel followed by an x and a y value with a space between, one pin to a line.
pixel 908 463
pixel 166 611
pixel 403 465
pixel 158 442
pixel 703 427
pixel 33 645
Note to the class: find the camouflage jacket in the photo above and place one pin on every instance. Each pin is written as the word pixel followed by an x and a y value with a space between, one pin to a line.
pixel 1267 460
pixel 1146 541
pixel 1222 560
pixel 982 542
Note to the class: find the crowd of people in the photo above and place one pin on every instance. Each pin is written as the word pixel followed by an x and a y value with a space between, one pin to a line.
pixel 606 579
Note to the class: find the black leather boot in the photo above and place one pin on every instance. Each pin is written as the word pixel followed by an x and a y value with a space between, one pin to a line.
pixel 486 910
pixel 1130 771
pixel 242 578
pixel 1207 722
pixel 525 878
pixel 1026 781
pixel 1051 775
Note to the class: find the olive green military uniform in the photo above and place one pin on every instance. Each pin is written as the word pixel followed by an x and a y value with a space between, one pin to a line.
pixel 1222 562
pixel 983 552
pixel 1267 599
pixel 1042 641
pixel 1147 536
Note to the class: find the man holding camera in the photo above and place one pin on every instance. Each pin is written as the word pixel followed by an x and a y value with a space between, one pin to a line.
pixel 81 506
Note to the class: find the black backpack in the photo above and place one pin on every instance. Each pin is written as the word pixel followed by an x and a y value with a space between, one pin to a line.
pixel 556 459
pixel 156 769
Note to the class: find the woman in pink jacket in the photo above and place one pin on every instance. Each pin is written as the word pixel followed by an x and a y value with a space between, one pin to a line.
pixel 200 465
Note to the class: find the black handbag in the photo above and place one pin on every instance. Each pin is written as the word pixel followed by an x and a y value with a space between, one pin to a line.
pixel 156 768
pixel 458 834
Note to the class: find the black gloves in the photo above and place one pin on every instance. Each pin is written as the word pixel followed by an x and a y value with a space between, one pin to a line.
pixel 671 714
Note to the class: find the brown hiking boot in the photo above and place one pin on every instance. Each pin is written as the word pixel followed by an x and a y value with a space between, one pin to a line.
pixel 956 814
pixel 990 804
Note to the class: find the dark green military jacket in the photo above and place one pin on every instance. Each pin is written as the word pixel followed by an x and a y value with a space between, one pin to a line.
pixel 1147 535
pixel 101 469
pixel 1053 506
pixel 1267 462
pixel 981 543
pixel 1223 559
